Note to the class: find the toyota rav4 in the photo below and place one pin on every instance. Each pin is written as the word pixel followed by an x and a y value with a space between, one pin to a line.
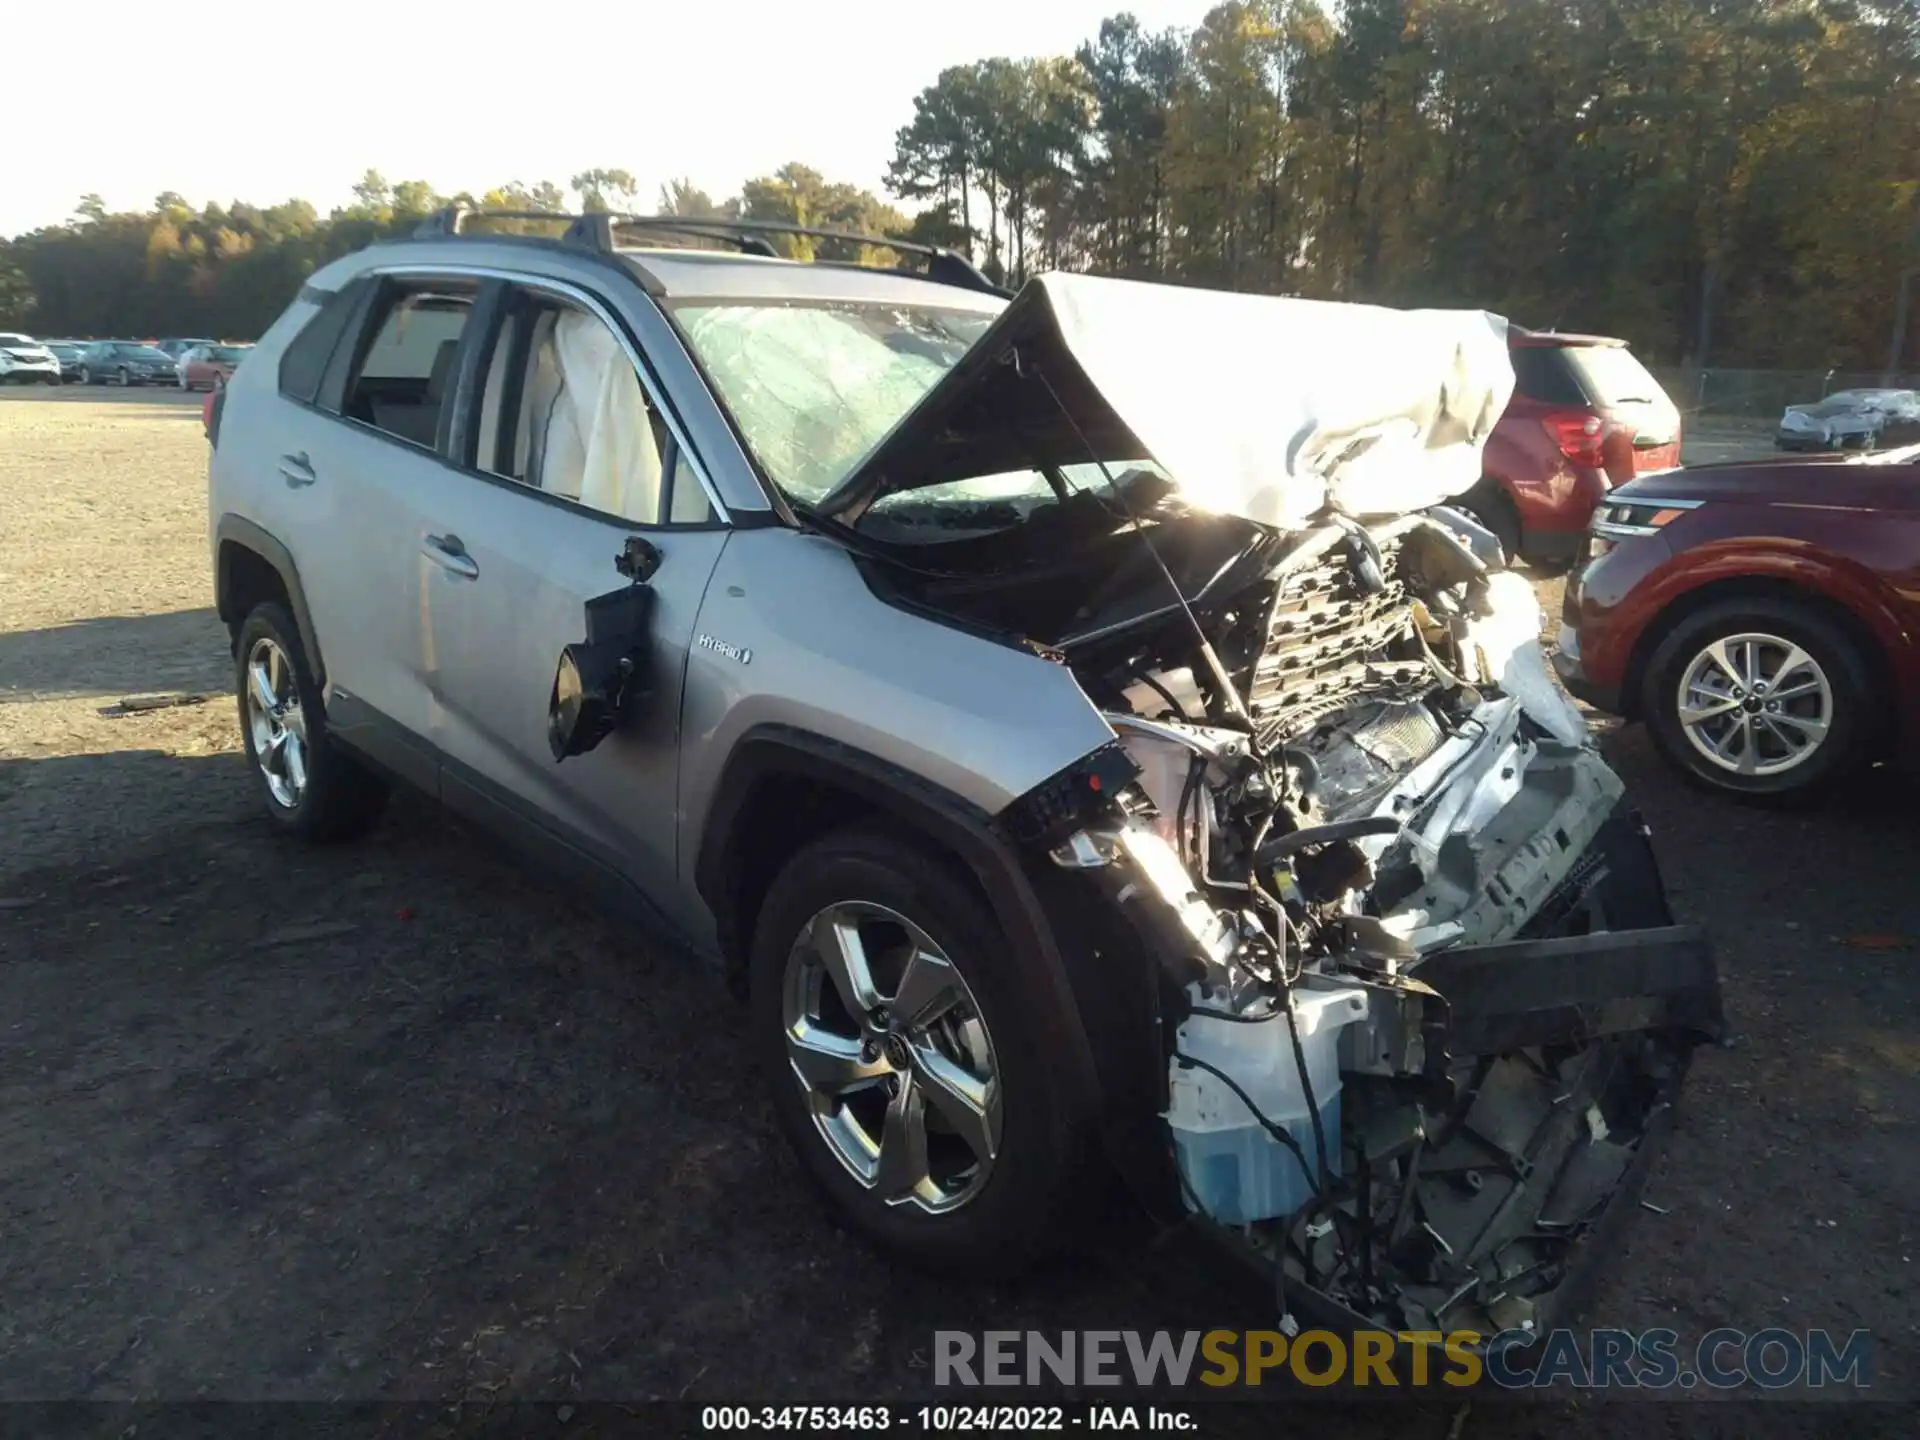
pixel 1072 720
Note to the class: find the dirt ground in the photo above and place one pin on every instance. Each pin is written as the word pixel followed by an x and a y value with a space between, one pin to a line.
pixel 401 1120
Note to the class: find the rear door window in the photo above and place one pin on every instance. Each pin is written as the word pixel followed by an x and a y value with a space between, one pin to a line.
pixel 406 370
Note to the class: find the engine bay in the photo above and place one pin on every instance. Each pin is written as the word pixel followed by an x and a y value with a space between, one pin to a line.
pixel 1422 1000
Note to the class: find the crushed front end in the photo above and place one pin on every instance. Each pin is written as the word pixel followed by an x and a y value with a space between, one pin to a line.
pixel 1420 1003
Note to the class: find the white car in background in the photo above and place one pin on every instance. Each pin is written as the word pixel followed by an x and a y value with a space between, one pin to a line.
pixel 1849 420
pixel 25 361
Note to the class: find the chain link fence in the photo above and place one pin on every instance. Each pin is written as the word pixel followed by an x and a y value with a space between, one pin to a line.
pixel 1741 397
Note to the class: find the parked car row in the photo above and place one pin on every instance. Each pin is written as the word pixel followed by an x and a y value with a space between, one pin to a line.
pixel 187 363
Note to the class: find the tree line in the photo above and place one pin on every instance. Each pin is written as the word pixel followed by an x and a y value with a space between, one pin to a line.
pixel 1729 182
pixel 228 270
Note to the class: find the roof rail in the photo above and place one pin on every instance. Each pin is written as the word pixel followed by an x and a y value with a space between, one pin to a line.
pixel 594 230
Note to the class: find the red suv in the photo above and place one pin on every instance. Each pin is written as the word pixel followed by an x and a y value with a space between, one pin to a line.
pixel 1763 617
pixel 1585 416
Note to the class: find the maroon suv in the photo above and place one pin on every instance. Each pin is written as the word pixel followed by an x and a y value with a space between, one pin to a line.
pixel 1585 416
pixel 1763 617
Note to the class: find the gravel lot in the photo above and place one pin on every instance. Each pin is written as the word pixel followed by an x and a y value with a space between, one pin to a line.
pixel 402 1121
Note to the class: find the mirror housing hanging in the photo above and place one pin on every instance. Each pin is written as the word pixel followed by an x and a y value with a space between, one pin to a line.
pixel 600 681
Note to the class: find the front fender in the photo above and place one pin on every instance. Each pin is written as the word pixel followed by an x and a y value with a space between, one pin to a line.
pixel 997 863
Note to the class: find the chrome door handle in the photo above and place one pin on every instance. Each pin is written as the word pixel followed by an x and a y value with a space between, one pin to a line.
pixel 450 555
pixel 297 471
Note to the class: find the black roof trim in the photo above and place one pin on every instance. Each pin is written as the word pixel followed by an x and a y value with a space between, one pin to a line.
pixel 595 229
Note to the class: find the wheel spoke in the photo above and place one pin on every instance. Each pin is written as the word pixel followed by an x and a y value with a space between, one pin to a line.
pixel 1792 744
pixel 262 684
pixel 837 940
pixel 1718 653
pixel 1794 692
pixel 929 987
pixel 1797 659
pixel 293 759
pixel 1719 705
pixel 961 1097
pixel 273 758
pixel 277 674
pixel 830 1062
pixel 901 1169
pixel 1749 746
pixel 1811 730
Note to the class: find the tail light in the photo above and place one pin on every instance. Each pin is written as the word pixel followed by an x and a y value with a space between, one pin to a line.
pixel 1580 436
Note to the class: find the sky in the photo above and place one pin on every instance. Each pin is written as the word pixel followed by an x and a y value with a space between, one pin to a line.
pixel 266 100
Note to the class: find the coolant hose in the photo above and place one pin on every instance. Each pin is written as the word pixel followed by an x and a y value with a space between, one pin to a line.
pixel 1281 846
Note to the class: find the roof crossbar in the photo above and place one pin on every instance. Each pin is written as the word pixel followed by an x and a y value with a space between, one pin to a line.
pixel 595 229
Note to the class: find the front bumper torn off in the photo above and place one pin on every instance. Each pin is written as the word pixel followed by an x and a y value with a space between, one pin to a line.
pixel 1499 1105
pixel 1490 1197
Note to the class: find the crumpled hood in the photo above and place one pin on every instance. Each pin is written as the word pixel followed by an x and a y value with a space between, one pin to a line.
pixel 1269 408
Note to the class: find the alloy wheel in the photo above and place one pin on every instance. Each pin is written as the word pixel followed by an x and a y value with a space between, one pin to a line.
pixel 1755 704
pixel 276 723
pixel 890 1049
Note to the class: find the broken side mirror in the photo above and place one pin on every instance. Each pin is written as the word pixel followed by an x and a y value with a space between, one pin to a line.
pixel 598 682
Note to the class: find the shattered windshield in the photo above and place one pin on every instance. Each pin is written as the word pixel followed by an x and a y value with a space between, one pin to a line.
pixel 814 386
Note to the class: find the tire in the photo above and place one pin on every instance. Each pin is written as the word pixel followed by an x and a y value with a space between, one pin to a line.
pixel 336 797
pixel 1488 504
pixel 1014 1209
pixel 1849 708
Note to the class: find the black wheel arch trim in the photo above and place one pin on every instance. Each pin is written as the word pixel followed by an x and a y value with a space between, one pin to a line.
pixel 237 530
pixel 961 828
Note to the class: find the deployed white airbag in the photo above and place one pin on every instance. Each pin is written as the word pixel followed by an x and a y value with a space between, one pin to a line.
pixel 599 446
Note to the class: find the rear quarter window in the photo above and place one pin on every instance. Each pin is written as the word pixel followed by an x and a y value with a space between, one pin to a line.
pixel 303 364
pixel 1613 375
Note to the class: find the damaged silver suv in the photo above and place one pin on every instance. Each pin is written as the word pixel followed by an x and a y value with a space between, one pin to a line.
pixel 1074 720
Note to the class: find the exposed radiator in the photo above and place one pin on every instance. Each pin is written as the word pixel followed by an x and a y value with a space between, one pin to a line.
pixel 1327 641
